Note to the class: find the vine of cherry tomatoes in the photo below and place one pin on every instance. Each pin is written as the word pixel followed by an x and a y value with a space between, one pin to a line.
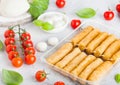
pixel 11 48
pixel 27 44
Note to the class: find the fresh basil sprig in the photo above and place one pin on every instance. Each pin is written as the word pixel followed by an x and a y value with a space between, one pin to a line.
pixel 37 7
pixel 11 77
pixel 117 78
pixel 86 13
pixel 44 25
pixel 1 45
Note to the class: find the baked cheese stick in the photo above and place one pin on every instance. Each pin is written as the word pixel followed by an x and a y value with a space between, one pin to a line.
pixel 103 46
pixel 90 68
pixel 116 56
pixel 92 45
pixel 100 71
pixel 83 65
pixel 60 53
pixel 68 58
pixel 76 39
pixel 75 62
pixel 113 48
pixel 84 42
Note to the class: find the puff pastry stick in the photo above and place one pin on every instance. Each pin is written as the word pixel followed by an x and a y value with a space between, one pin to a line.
pixel 103 46
pixel 113 48
pixel 83 43
pixel 116 56
pixel 91 46
pixel 76 39
pixel 75 62
pixel 100 71
pixel 68 58
pixel 83 64
pixel 60 53
pixel 90 68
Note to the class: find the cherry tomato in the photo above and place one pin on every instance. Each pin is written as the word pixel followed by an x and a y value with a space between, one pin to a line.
pixel 40 76
pixel 60 3
pixel 10 48
pixel 13 54
pixel 9 41
pixel 30 59
pixel 27 43
pixel 17 62
pixel 109 15
pixel 118 7
pixel 25 36
pixel 75 23
pixel 9 33
pixel 59 83
pixel 29 50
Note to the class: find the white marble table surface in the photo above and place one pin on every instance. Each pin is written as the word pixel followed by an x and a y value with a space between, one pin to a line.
pixel 37 35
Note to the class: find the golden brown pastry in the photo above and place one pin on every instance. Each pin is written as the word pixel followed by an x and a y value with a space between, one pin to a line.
pixel 75 62
pixel 93 44
pixel 104 45
pixel 100 71
pixel 84 42
pixel 113 48
pixel 68 58
pixel 60 53
pixel 76 39
pixel 83 64
pixel 116 56
pixel 90 68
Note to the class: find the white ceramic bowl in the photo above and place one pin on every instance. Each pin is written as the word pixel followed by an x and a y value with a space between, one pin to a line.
pixel 50 15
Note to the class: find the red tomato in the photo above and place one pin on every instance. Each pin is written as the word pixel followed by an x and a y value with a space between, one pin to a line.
pixel 59 83
pixel 29 50
pixel 13 54
pixel 75 23
pixel 118 7
pixel 30 59
pixel 40 76
pixel 9 41
pixel 10 48
pixel 9 33
pixel 25 36
pixel 60 3
pixel 17 62
pixel 27 43
pixel 109 15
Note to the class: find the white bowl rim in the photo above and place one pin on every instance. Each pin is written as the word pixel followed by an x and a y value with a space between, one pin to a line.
pixel 59 13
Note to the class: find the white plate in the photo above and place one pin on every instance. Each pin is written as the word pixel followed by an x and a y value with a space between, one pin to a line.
pixel 4 21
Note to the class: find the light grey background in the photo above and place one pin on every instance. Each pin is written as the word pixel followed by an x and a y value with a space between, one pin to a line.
pixel 37 35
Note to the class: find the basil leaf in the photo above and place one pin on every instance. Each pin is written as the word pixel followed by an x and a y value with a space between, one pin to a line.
pixel 47 26
pixel 86 13
pixel 38 22
pixel 117 78
pixel 1 45
pixel 11 77
pixel 37 7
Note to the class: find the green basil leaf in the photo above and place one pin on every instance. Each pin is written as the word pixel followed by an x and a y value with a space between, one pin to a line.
pixel 117 78
pixel 37 7
pixel 47 26
pixel 11 77
pixel 86 13
pixel 38 22
pixel 1 45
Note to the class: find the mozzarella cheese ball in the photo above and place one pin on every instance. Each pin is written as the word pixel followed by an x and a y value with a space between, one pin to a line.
pixel 41 46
